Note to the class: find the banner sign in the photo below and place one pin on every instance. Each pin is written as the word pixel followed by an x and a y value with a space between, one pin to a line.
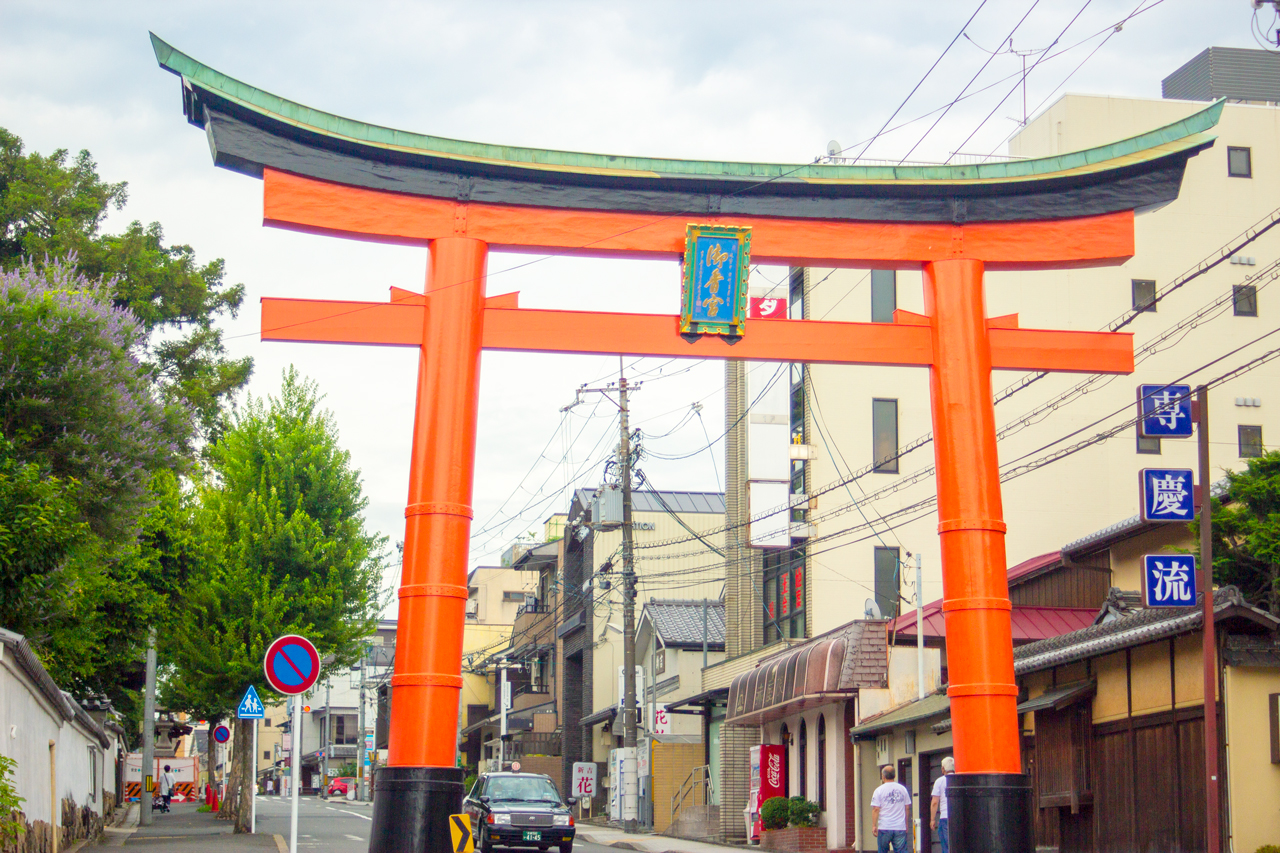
pixel 714 301
pixel 1169 580
pixel 1166 494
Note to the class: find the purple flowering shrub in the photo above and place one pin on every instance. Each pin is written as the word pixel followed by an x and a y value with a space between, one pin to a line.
pixel 76 398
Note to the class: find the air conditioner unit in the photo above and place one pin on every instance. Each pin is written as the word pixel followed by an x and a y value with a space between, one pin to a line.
pixel 473 607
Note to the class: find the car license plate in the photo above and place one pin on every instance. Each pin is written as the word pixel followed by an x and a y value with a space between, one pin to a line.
pixel 530 835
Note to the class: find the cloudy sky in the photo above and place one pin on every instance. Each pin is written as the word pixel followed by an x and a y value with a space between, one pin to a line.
pixel 743 80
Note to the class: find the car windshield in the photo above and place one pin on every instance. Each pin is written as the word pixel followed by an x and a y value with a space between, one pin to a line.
pixel 529 789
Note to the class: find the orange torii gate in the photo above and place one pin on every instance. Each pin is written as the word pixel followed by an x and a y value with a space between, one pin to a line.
pixel 330 175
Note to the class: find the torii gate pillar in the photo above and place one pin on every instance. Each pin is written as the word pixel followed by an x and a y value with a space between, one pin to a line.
pixel 422 777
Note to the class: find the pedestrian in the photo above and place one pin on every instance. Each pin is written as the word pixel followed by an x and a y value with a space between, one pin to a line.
pixel 938 805
pixel 890 813
pixel 166 786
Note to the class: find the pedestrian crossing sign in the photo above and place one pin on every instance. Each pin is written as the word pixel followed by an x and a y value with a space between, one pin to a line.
pixel 250 706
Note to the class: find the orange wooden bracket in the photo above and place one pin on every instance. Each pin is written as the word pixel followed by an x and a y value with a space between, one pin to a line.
pixel 307 204
pixel 400 323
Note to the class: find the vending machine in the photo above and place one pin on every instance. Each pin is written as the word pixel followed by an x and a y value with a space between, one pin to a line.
pixel 768 780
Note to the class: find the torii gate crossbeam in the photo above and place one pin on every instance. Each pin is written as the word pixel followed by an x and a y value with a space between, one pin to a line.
pixel 329 175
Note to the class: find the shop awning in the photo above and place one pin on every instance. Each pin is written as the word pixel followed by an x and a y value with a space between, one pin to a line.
pixel 803 677
pixel 700 703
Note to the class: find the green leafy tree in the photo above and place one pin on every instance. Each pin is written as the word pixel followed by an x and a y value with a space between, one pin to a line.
pixel 286 551
pixel 54 206
pixel 1246 532
pixel 90 505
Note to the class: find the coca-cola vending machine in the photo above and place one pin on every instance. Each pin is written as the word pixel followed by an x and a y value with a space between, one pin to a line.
pixel 768 780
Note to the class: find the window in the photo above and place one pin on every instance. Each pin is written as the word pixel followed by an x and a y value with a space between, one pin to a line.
pixel 822 762
pixel 886 571
pixel 884 295
pixel 784 611
pixel 785 735
pixel 1147 445
pixel 513 596
pixel 1250 441
pixel 795 294
pixel 266 754
pixel 804 759
pixel 344 729
pixel 884 435
pixel 1144 295
pixel 1239 162
pixel 660 662
pixel 1245 300
pixel 93 774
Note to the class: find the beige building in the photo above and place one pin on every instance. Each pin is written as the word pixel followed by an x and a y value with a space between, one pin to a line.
pixel 495 595
pixel 1199 330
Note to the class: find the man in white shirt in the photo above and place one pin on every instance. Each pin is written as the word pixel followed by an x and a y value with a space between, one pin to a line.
pixel 890 813
pixel 166 786
pixel 938 805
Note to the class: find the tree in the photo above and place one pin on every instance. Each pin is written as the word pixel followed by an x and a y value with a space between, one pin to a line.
pixel 54 207
pixel 90 504
pixel 286 551
pixel 1246 532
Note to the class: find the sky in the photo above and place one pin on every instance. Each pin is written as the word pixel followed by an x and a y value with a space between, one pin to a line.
pixel 744 80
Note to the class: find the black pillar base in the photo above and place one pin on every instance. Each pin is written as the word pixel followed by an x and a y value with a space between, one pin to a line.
pixel 990 812
pixel 411 808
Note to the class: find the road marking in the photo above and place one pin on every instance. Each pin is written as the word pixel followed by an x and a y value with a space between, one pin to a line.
pixel 356 814
pixel 355 838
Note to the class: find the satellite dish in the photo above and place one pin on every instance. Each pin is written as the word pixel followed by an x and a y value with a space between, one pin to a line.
pixel 834 149
pixel 871 610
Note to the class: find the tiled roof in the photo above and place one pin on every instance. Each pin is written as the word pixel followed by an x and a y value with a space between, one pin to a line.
pixel 679 622
pixel 1132 629
pixel 921 709
pixel 1030 624
pixel 645 500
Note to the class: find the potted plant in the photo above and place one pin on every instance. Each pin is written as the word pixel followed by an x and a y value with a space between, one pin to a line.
pixel 791 826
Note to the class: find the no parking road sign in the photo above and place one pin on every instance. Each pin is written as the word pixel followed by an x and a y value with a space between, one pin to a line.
pixel 291 664
pixel 222 734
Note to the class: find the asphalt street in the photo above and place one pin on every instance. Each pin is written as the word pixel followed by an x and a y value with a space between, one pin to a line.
pixel 339 826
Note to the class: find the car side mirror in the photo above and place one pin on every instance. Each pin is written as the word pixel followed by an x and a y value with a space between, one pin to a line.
pixel 484 798
pixel 573 801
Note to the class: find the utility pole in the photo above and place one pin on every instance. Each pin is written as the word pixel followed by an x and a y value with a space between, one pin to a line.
pixel 326 743
pixel 502 715
pixel 919 631
pixel 630 781
pixel 1209 649
pixel 148 733
pixel 362 753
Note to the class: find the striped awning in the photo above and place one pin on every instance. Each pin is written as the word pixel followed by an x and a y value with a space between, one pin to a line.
pixel 801 678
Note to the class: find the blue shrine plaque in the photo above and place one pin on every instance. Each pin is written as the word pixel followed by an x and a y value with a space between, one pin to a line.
pixel 1167 494
pixel 715 280
pixel 1165 411
pixel 1169 580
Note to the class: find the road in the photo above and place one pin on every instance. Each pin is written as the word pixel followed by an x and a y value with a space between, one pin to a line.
pixel 339 826
pixel 332 826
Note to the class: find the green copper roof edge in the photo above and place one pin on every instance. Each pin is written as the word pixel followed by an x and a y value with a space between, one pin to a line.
pixel 308 118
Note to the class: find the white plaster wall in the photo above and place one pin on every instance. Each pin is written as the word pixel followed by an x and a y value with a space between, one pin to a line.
pixel 833 817
pixel 27 723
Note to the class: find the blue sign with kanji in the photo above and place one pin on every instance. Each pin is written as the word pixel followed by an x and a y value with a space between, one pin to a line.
pixel 1165 411
pixel 1169 580
pixel 714 299
pixel 1167 494
pixel 250 706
